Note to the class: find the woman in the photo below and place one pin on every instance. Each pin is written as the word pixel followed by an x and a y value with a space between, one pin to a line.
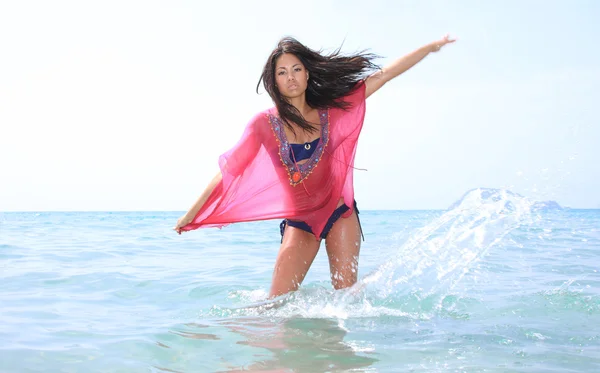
pixel 295 160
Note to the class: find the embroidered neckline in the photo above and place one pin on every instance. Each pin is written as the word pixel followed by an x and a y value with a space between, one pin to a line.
pixel 306 168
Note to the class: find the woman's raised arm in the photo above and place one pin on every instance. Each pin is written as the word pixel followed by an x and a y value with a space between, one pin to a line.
pixel 379 78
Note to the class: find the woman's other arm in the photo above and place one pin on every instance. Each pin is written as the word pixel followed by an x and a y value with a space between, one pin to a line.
pixel 189 216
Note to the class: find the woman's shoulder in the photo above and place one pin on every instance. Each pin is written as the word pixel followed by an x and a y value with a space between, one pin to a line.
pixel 354 99
pixel 356 94
pixel 261 120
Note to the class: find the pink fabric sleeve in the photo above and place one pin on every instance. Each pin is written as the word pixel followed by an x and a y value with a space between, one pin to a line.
pixel 236 167
pixel 234 161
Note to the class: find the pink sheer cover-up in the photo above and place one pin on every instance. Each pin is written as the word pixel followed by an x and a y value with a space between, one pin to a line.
pixel 261 182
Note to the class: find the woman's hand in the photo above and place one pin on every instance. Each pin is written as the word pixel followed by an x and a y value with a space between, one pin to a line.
pixel 437 45
pixel 182 222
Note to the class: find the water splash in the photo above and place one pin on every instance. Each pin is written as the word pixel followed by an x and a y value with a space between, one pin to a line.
pixel 313 303
pixel 437 256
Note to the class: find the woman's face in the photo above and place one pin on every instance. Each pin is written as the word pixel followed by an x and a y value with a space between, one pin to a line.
pixel 290 75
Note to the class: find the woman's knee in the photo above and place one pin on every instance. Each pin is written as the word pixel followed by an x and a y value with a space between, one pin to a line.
pixel 341 280
pixel 344 274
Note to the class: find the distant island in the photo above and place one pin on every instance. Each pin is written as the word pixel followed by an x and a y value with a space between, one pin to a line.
pixel 548 205
pixel 495 194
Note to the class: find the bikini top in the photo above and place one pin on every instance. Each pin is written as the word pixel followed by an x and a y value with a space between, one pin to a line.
pixel 304 151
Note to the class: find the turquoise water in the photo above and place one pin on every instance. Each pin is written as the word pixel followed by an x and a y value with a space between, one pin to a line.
pixel 496 283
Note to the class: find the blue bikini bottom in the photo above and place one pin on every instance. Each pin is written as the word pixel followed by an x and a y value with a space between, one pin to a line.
pixel 337 214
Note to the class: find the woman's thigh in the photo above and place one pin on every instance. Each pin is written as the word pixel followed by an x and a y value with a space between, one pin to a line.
pixel 343 249
pixel 296 254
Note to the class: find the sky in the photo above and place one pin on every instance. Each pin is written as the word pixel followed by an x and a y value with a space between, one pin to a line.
pixel 127 105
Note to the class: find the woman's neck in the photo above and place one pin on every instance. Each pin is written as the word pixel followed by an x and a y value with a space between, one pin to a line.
pixel 301 105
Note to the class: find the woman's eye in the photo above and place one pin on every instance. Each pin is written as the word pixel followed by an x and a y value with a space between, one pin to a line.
pixel 298 69
pixel 280 73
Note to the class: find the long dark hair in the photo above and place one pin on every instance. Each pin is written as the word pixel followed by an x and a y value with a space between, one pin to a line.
pixel 330 77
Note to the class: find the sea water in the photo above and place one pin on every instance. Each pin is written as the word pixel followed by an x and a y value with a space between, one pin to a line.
pixel 495 283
